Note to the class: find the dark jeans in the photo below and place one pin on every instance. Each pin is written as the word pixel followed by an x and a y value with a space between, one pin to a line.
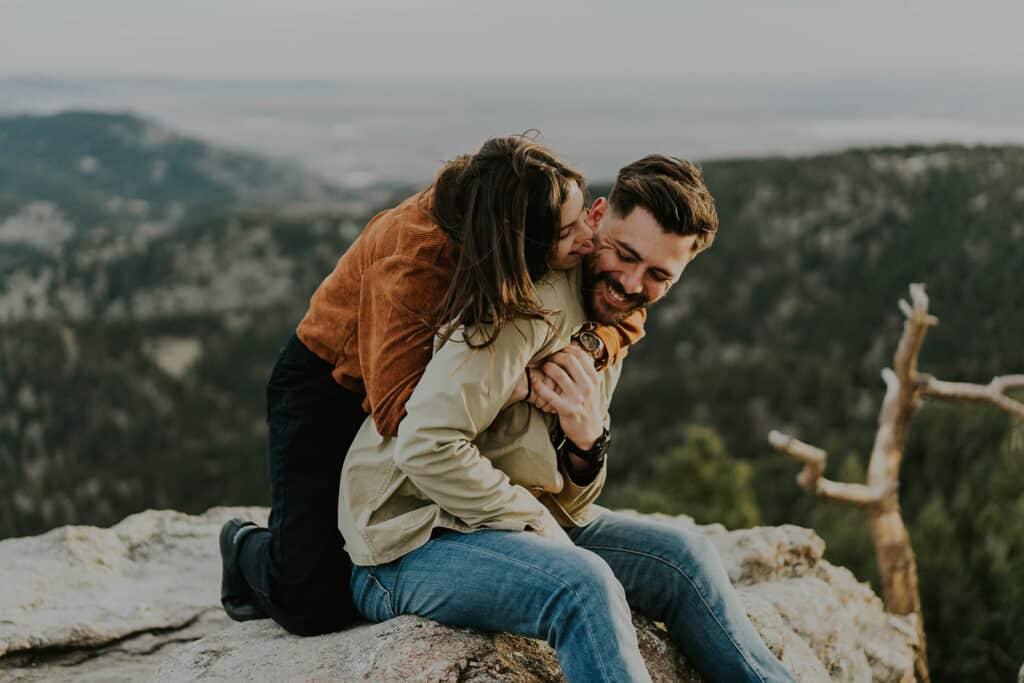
pixel 298 569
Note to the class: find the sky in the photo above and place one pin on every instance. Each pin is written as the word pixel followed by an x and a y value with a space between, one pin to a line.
pixel 528 39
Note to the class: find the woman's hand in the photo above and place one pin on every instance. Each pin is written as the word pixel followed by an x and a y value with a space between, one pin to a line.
pixel 537 377
pixel 524 390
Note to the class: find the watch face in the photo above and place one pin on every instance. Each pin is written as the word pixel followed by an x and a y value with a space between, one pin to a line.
pixel 590 343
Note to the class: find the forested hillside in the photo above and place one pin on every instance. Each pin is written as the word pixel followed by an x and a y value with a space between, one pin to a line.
pixel 66 176
pixel 133 359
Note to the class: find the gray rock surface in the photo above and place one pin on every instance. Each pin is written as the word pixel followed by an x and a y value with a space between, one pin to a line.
pixel 139 601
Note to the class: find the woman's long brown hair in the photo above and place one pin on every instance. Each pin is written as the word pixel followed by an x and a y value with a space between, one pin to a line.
pixel 502 206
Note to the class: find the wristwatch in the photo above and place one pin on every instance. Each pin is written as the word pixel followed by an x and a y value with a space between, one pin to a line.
pixel 589 341
pixel 595 454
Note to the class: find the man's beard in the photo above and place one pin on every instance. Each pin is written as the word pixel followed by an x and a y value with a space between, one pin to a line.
pixel 591 280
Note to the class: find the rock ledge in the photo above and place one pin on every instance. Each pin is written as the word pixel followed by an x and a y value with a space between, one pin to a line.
pixel 140 601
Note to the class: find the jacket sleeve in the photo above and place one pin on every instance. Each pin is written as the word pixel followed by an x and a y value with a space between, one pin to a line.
pixel 619 337
pixel 395 337
pixel 458 397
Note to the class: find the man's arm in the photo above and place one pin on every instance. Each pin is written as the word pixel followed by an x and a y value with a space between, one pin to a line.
pixel 620 336
pixel 581 396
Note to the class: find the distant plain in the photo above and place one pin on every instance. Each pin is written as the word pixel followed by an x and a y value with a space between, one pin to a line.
pixel 360 133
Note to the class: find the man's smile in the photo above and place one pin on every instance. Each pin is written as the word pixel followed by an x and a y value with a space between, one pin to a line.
pixel 616 297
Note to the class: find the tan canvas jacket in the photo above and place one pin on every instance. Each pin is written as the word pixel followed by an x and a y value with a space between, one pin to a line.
pixel 457 462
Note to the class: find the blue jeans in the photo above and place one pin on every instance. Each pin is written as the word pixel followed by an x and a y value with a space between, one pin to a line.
pixel 578 599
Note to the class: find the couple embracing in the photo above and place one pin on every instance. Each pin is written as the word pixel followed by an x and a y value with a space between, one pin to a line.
pixel 439 428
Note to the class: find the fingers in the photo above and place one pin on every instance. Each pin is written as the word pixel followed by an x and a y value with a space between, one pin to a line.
pixel 543 406
pixel 551 397
pixel 560 377
pixel 565 381
pixel 538 378
pixel 576 362
pixel 574 376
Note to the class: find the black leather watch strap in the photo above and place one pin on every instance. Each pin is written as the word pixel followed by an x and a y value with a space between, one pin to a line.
pixel 595 454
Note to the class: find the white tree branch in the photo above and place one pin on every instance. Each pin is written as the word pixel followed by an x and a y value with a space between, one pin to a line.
pixel 811 479
pixel 994 392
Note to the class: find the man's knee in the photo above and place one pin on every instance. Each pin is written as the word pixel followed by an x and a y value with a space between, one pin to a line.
pixel 590 584
pixel 686 561
pixel 697 548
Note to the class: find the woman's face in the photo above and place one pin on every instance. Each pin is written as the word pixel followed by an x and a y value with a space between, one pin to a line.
pixel 574 240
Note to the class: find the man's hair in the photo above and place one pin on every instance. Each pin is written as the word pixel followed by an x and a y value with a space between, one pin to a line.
pixel 673 190
pixel 502 206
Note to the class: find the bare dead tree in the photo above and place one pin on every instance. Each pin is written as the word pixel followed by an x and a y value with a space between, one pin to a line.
pixel 879 496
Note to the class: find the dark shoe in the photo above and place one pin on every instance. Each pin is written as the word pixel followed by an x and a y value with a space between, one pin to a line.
pixel 235 594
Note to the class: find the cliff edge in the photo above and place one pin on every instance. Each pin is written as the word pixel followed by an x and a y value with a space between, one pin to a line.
pixel 140 601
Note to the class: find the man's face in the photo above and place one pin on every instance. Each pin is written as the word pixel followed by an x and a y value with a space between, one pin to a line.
pixel 634 264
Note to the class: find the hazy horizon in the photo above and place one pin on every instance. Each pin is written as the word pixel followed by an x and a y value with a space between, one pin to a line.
pixel 358 132
pixel 366 91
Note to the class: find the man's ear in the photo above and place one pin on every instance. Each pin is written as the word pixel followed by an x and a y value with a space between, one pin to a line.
pixel 597 211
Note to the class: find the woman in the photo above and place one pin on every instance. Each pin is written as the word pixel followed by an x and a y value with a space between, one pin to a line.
pixel 467 250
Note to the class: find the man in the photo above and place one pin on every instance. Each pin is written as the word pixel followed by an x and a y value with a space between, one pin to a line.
pixel 434 518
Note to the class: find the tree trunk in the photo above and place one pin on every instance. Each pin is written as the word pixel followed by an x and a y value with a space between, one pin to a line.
pixel 879 498
pixel 897 566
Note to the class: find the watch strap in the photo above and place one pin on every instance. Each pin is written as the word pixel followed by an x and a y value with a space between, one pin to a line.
pixel 595 454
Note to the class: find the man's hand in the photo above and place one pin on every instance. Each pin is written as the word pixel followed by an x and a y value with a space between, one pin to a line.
pixel 576 396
